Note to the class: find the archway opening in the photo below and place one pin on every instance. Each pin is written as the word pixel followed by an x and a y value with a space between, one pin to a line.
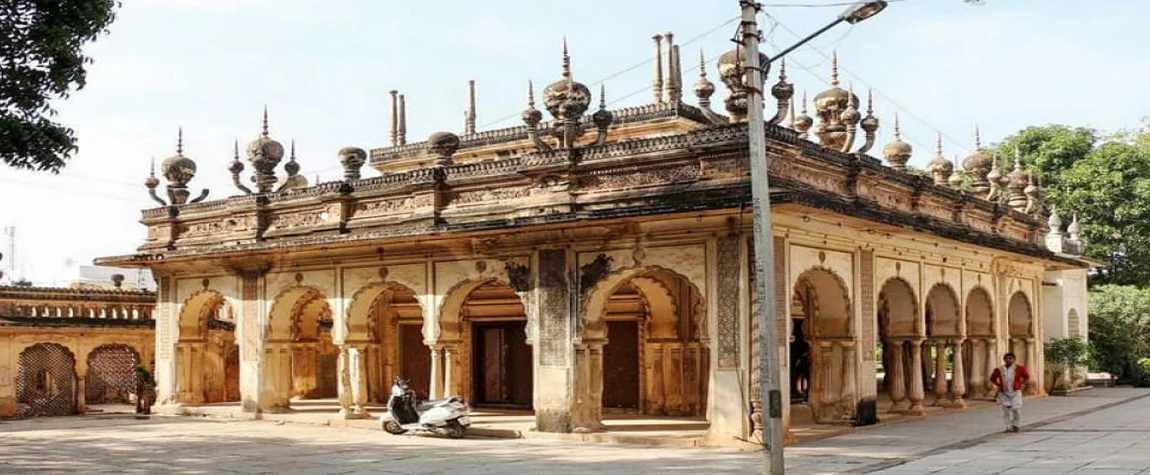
pixel 495 327
pixel 823 304
pixel 979 351
pixel 655 360
pixel 111 375
pixel 207 336
pixel 46 381
pixel 940 347
pixel 298 322
pixel 386 320
pixel 897 313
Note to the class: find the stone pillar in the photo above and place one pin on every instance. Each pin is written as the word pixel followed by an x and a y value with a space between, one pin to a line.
pixel 346 391
pixel 977 365
pixel 435 388
pixel 81 392
pixel 250 325
pixel 166 368
pixel 916 393
pixel 958 381
pixel 828 371
pixel 1031 351
pixel 359 373
pixel 896 377
pixel 554 350
pixel 940 386
pixel 449 370
pixel 729 292
pixel 992 362
pixel 848 396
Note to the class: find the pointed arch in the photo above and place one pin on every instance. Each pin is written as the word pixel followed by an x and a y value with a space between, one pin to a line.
pixel 830 315
pixel 195 312
pixel 1020 316
pixel 942 311
pixel 979 313
pixel 594 302
pixel 898 308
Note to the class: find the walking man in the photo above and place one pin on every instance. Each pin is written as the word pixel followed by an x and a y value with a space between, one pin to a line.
pixel 1009 379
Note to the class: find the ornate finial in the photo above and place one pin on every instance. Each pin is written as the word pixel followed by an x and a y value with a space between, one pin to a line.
pixel 152 171
pixel 783 70
pixel 602 118
pixel 834 68
pixel 938 145
pixel 977 139
pixel 180 141
pixel 897 130
pixel 602 97
pixel 1054 222
pixel 469 123
pixel 265 129
pixel 658 82
pixel 292 156
pixel 394 117
pixel 530 94
pixel 236 149
pixel 531 117
pixel 402 133
pixel 803 122
pixel 804 109
pixel 237 167
pixel 566 61
pixel 955 178
pixel 1074 228
pixel 870 101
pixel 702 64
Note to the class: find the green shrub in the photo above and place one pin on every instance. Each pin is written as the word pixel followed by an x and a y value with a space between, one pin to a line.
pixel 1120 329
pixel 1142 379
pixel 1065 354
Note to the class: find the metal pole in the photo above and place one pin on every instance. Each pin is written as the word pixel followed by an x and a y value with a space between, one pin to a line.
pixel 770 389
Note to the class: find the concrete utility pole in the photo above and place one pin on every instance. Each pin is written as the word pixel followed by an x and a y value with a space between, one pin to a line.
pixel 770 389
pixel 769 370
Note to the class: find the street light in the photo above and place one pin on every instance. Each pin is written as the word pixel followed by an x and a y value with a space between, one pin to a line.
pixel 771 392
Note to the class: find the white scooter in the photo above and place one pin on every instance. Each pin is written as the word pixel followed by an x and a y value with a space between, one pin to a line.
pixel 445 416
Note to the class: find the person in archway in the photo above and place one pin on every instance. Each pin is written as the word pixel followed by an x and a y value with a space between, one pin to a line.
pixel 1009 379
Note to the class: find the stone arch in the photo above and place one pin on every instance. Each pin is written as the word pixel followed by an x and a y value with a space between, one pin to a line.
pixel 46 381
pixel 942 311
pixel 196 311
pixel 111 374
pixel 1073 324
pixel 480 346
pixel 830 314
pixel 898 308
pixel 295 312
pixel 1020 316
pixel 379 318
pixel 979 313
pixel 594 301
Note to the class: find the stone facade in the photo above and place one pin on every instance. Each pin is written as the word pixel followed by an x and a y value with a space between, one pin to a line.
pixel 62 349
pixel 614 270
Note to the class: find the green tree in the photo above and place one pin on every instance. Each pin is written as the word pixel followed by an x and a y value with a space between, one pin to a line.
pixel 41 59
pixel 1050 149
pixel 1120 329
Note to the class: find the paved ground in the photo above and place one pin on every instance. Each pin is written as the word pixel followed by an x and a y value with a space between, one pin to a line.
pixel 1096 432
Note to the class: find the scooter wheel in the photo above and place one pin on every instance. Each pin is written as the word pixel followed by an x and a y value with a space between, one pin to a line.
pixel 455 430
pixel 393 427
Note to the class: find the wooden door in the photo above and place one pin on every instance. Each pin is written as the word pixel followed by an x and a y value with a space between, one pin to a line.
pixel 502 364
pixel 414 360
pixel 621 366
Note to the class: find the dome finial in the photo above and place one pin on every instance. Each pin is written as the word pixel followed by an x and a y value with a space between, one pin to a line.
pixel 783 70
pixel 702 64
pixel 265 127
pixel 602 96
pixel 834 68
pixel 152 171
pixel 566 61
pixel 236 149
pixel 292 156
pixel 977 139
pixel 897 130
pixel 180 141
pixel 530 94
pixel 938 144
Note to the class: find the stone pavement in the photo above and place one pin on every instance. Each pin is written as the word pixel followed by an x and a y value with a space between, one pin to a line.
pixel 1101 431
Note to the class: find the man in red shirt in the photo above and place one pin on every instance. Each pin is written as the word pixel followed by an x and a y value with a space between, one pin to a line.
pixel 1010 379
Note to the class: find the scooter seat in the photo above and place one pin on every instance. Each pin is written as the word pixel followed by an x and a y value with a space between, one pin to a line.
pixel 425 405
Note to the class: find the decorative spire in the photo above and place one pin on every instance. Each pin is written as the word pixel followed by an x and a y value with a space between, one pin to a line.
pixel 531 117
pixel 897 129
pixel 669 84
pixel 939 167
pixel 955 179
pixel 977 139
pixel 994 179
pixel 180 141
pixel 566 61
pixel 676 95
pixel 834 68
pixel 292 156
pixel 530 94
pixel 1074 228
pixel 869 124
pixel 658 83
pixel 897 152
pixel 402 133
pixel 469 125
pixel 394 117
pixel 602 118
pixel 1054 221
pixel 602 97
pixel 803 122
pixel 265 127
pixel 237 167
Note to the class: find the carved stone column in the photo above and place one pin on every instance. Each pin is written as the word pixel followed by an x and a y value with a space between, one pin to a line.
pixel 1031 351
pixel 849 394
pixel 81 392
pixel 449 376
pixel 940 385
pixel 977 377
pixel 359 377
pixel 436 386
pixel 830 370
pixel 958 382
pixel 346 396
pixel 916 393
pixel 896 377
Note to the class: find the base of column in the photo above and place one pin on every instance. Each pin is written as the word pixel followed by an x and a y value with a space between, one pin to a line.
pixel 899 407
pixel 915 409
pixel 349 413
pixel 560 421
pixel 958 403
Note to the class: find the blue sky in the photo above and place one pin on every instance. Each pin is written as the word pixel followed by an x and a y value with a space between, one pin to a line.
pixel 324 69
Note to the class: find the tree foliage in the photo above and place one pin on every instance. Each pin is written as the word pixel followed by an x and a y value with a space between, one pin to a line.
pixel 1120 329
pixel 41 59
pixel 1103 180
pixel 1065 354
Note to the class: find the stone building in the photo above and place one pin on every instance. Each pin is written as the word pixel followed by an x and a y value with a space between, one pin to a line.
pixel 62 349
pixel 600 261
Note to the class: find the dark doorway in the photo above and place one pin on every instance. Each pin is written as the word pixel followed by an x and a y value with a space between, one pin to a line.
pixel 328 375
pixel 621 366
pixel 415 360
pixel 502 364
pixel 232 375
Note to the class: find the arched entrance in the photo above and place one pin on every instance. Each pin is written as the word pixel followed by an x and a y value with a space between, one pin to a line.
pixel 111 375
pixel 898 334
pixel 980 342
pixel 501 363
pixel 943 332
pixel 825 310
pixel 655 361
pixel 385 321
pixel 1021 329
pixel 207 336
pixel 291 354
pixel 46 382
